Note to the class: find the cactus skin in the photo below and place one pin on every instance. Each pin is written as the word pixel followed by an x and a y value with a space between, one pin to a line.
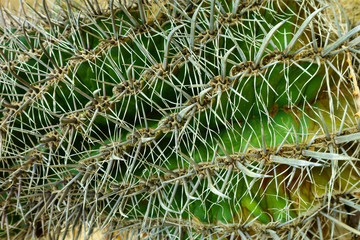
pixel 180 120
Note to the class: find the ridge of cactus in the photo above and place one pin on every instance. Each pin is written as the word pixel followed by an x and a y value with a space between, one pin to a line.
pixel 154 119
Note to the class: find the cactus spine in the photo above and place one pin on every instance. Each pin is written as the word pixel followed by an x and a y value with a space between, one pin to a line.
pixel 216 119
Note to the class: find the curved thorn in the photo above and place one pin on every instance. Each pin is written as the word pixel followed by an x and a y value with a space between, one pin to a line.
pixel 301 29
pixel 193 24
pixel 265 33
pixel 128 74
pixel 294 162
pixel 349 46
pixel 167 46
pixel 212 187
pixel 326 155
pixel 180 116
pixel 266 42
pixel 342 39
pixel 224 61
pixel 186 188
pixel 247 172
pixel 164 206
pixel 347 138
pixel 203 93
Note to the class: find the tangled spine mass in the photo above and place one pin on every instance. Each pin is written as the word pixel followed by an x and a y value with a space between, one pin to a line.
pixel 211 119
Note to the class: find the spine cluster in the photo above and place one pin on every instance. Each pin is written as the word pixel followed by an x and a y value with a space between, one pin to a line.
pixel 180 120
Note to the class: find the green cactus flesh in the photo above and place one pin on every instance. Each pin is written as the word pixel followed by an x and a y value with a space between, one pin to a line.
pixel 180 120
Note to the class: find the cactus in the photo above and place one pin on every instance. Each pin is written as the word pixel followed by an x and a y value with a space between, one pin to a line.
pixel 216 119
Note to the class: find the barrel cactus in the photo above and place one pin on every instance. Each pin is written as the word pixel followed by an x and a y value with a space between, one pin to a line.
pixel 212 119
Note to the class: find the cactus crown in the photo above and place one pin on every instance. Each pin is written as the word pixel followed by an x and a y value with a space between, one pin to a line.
pixel 213 119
